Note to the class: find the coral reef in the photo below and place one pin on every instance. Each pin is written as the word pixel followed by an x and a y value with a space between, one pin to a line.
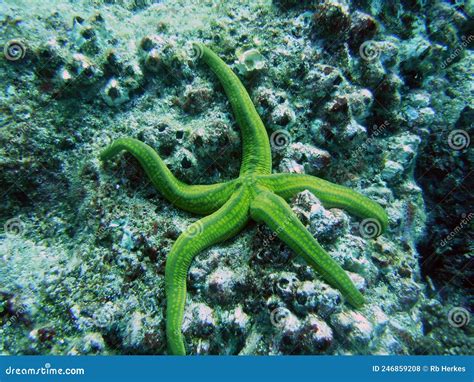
pixel 372 95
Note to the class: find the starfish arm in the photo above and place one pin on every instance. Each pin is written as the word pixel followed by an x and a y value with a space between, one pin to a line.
pixel 256 155
pixel 277 214
pixel 201 199
pixel 331 195
pixel 219 226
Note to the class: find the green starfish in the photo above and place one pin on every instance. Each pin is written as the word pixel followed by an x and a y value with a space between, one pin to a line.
pixel 256 194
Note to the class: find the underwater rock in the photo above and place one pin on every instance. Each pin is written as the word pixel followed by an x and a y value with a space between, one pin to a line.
pixel 322 81
pixel 363 28
pixel 309 157
pixel 224 284
pixel 360 103
pixel 114 94
pixel 92 343
pixel 250 61
pixel 409 293
pixel 291 166
pixel 199 320
pixel 318 336
pixel 353 326
pixel 400 158
pixel 375 96
pixel 285 284
pixel 196 99
pixel 331 20
pixel 282 115
pixel 326 225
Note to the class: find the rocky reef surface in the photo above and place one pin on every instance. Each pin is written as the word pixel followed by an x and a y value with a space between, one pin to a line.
pixel 373 95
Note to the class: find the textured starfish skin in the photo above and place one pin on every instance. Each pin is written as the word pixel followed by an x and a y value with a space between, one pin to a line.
pixel 256 194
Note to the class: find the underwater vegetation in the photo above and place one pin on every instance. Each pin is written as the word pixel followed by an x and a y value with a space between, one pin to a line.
pixel 375 96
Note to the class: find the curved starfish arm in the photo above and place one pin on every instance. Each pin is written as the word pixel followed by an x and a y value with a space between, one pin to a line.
pixel 331 195
pixel 277 214
pixel 200 199
pixel 256 155
pixel 219 226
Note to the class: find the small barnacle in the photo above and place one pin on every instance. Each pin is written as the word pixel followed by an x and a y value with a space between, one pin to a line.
pixel 318 335
pixel 82 66
pixel 153 61
pixel 151 41
pixel 331 20
pixel 97 18
pixel 340 105
pixel 114 94
pixel 195 99
pixel 77 19
pixel 114 63
pixel 134 76
pixel 50 54
pixel 363 28
pixel 64 76
pixel 88 33
pixel 250 61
